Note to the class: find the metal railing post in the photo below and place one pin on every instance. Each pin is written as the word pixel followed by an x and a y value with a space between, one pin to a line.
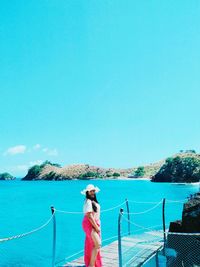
pixel 119 237
pixel 157 262
pixel 128 216
pixel 163 219
pixel 54 237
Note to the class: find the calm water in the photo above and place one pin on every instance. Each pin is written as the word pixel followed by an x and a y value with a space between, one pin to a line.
pixel 26 205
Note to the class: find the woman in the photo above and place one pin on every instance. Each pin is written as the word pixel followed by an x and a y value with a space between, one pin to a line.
pixel 91 226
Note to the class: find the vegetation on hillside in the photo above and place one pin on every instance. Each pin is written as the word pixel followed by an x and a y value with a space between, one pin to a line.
pixel 116 174
pixel 140 172
pixel 182 167
pixel 53 171
pixel 89 174
pixel 191 151
pixel 179 169
pixel 35 171
pixel 6 176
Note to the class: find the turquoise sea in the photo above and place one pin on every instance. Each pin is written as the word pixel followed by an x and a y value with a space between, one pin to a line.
pixel 25 205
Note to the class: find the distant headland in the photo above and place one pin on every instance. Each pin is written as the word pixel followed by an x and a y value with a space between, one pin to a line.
pixel 6 176
pixel 183 167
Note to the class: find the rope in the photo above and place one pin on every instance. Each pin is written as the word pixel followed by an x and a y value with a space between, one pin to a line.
pixel 142 202
pixel 28 233
pixel 81 251
pixel 114 207
pixel 140 226
pixel 167 232
pixel 115 236
pixel 69 212
pixel 150 228
pixel 153 202
pixel 81 212
pixel 176 201
pixel 145 211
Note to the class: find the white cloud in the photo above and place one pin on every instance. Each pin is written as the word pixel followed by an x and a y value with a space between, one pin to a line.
pixel 37 146
pixel 50 152
pixel 19 149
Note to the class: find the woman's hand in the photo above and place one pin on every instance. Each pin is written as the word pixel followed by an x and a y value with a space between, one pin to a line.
pixel 93 222
pixel 97 229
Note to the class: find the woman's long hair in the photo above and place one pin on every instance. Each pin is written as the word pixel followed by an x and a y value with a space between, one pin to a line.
pixel 94 199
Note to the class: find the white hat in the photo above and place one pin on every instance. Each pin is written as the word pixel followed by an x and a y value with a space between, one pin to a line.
pixel 89 188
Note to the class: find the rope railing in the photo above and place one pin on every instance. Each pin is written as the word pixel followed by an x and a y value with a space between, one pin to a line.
pixel 29 232
pixel 81 212
pixel 141 226
pixel 159 231
pixel 176 201
pixel 143 202
pixel 119 205
pixel 145 211
pixel 127 219
pixel 71 256
pixel 155 202
pixel 69 212
pixel 151 228
pixel 114 207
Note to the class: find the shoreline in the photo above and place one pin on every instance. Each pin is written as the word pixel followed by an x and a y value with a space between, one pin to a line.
pixel 132 179
pixel 105 179
pixel 193 183
pixel 118 179
pixel 91 179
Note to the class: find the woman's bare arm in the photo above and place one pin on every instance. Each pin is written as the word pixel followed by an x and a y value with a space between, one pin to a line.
pixel 92 220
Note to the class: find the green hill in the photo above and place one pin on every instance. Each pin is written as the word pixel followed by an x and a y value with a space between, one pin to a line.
pixel 181 168
pixel 53 171
pixel 6 176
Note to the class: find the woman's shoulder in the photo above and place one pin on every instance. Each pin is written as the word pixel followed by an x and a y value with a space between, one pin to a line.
pixel 87 201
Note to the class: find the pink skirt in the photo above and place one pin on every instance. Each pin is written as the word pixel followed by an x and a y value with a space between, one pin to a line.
pixel 89 243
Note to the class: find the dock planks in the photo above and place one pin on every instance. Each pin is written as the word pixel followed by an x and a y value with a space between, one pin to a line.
pixel 136 249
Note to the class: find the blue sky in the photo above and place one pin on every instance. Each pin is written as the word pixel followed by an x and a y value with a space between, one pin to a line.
pixel 109 83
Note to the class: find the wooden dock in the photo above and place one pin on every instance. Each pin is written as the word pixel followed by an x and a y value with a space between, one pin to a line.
pixel 136 250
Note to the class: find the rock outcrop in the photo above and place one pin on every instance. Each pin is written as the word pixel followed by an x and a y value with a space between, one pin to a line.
pixel 6 176
pixel 75 171
pixel 52 171
pixel 181 168
pixel 190 222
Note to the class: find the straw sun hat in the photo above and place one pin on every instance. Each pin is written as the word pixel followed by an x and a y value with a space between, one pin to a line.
pixel 89 188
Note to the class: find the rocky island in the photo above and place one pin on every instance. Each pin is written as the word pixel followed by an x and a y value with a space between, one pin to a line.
pixel 6 176
pixel 183 167
pixel 190 222
pixel 52 171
